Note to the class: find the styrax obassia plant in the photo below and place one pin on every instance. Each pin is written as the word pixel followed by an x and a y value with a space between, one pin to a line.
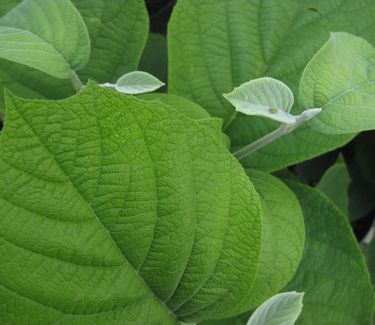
pixel 161 208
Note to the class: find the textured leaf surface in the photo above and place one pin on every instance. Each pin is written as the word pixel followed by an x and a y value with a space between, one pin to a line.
pixel 281 309
pixel 108 202
pixel 332 272
pixel 341 80
pixel 118 31
pixel 138 82
pixel 181 104
pixel 335 184
pixel 191 109
pixel 47 35
pixel 216 45
pixel 283 236
pixel 266 97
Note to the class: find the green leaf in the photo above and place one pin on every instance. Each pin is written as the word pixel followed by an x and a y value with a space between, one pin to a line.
pixel 180 104
pixel 340 79
pixel 47 35
pixel 116 210
pixel 332 272
pixel 216 45
pixel 283 236
pixel 282 309
pixel 118 33
pixel 266 97
pixel 191 109
pixel 155 57
pixel 137 82
pixel 335 184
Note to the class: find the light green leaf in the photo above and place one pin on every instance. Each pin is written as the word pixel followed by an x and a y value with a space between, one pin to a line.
pixel 138 82
pixel 112 53
pixel 283 236
pixel 332 272
pixel 48 35
pixel 120 211
pixel 282 309
pixel 266 97
pixel 335 184
pixel 341 79
pixel 216 45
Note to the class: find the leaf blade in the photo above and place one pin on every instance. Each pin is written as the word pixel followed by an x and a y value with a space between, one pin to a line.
pixel 281 309
pixel 111 137
pixel 138 82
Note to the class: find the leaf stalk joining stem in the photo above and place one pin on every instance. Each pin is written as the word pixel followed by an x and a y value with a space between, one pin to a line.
pixel 283 129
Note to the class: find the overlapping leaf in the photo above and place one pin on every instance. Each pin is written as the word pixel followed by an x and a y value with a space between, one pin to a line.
pixel 116 210
pixel 332 272
pixel 46 35
pixel 341 80
pixel 216 45
pixel 118 32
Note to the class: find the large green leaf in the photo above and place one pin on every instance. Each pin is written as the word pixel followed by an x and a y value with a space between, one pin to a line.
pixel 216 45
pixel 48 35
pixel 118 31
pixel 340 79
pixel 332 272
pixel 116 210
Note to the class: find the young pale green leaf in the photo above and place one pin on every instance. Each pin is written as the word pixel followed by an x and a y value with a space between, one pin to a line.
pixel 48 35
pixel 283 237
pixel 335 184
pixel 216 45
pixel 341 79
pixel 332 272
pixel 282 309
pixel 115 210
pixel 138 82
pixel 266 97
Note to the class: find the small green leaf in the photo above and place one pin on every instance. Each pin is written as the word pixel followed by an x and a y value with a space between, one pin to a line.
pixel 282 309
pixel 138 82
pixel 48 35
pixel 340 78
pixel 266 97
pixel 335 184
